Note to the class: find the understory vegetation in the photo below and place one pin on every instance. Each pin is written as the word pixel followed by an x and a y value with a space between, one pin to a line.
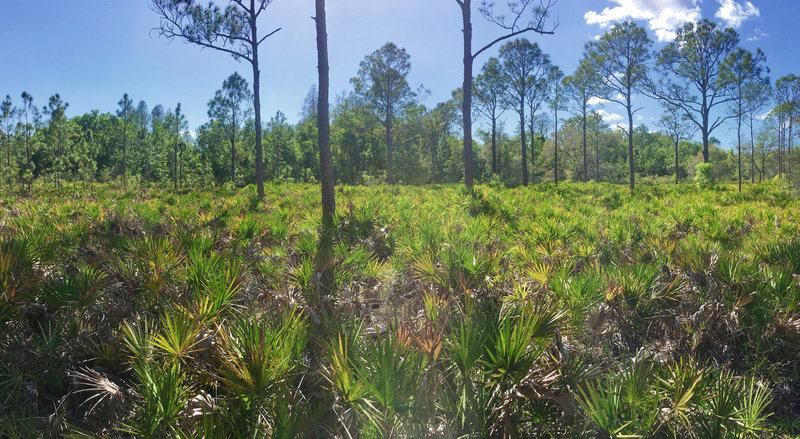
pixel 577 311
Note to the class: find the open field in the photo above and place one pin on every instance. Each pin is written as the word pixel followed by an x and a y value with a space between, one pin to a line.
pixel 528 312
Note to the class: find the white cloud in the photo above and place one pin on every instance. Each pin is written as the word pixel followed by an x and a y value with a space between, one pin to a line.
pixel 734 14
pixel 609 117
pixel 757 35
pixel 640 118
pixel 594 100
pixel 662 16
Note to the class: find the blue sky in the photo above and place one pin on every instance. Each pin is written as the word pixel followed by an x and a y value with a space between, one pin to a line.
pixel 93 51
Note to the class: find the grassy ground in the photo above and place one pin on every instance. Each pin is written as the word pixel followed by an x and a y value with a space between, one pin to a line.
pixel 529 312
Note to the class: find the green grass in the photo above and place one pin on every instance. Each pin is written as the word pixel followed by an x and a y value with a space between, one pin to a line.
pixel 570 312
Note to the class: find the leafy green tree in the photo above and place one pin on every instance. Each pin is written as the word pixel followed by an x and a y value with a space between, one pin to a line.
pixel 787 94
pixel 232 30
pixel 678 127
pixel 524 68
pixel 125 113
pixel 558 101
pixel 29 120
pixel 535 99
pixel 438 132
pixel 229 108
pixel 690 74
pixel 580 87
pixel 758 96
pixel 382 84
pixel 596 124
pixel 279 133
pixel 58 137
pixel 743 71
pixel 620 57
pixel 7 115
pixel 489 89
pixel 82 156
pixel 176 124
pixel 766 142
pixel 513 25
pixel 355 133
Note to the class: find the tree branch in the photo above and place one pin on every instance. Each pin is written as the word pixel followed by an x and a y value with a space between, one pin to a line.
pixel 511 35
pixel 269 35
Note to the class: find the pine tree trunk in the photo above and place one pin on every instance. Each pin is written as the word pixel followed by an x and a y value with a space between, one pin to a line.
pixel 524 143
pixel 257 104
pixel 630 143
pixel 325 267
pixel 466 104
pixel 555 139
pixel 494 145
pixel 677 142
pixel 389 164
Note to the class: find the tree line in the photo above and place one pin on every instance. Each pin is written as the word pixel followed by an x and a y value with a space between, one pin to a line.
pixel 380 131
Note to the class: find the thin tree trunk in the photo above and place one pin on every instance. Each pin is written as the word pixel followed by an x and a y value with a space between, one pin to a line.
pixel 257 103
pixel 630 142
pixel 494 144
pixel 125 149
pixel 585 168
pixel 752 153
pixel 233 160
pixel 739 148
pixel 555 139
pixel 278 157
pixel 389 170
pixel 780 147
pixel 524 143
pixel 704 130
pixel 677 143
pixel 596 155
pixel 234 125
pixel 789 145
pixel 175 166
pixel 533 147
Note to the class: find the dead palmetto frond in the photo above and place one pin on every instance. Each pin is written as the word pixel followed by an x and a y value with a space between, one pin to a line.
pixel 102 392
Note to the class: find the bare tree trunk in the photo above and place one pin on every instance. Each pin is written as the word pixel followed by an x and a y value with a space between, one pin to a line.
pixel 125 150
pixel 325 267
pixel 585 168
pixel 278 157
pixel 739 148
pixel 524 143
pixel 596 155
pixel 752 153
pixel 494 145
pixel 233 159
pixel 630 143
pixel 257 104
pixel 175 166
pixel 555 139
pixel 466 104
pixel 533 147
pixel 389 170
pixel 780 147
pixel 789 145
pixel 704 130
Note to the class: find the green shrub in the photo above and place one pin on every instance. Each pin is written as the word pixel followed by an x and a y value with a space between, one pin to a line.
pixel 703 177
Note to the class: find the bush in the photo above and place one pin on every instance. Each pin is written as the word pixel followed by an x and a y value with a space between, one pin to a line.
pixel 703 177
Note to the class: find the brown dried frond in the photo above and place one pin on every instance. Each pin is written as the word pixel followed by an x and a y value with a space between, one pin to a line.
pixel 101 389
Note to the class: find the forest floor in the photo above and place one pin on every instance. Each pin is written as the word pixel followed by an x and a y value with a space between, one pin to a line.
pixel 526 312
